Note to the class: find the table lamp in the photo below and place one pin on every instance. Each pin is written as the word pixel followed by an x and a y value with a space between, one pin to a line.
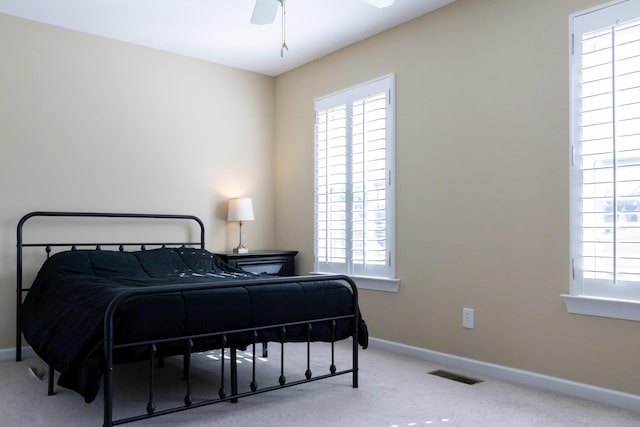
pixel 240 210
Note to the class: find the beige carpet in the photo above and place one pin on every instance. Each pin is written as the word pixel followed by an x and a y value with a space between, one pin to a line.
pixel 394 391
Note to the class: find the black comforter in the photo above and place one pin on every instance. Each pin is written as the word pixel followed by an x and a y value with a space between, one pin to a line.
pixel 63 313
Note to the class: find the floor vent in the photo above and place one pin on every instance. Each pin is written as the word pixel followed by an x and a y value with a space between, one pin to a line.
pixel 455 377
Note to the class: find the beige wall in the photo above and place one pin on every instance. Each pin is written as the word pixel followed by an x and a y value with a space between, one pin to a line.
pixel 88 123
pixel 482 178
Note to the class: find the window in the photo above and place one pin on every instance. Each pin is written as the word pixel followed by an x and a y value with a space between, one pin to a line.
pixel 605 170
pixel 354 184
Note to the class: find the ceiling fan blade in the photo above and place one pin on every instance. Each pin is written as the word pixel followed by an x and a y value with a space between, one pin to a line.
pixel 264 12
pixel 381 4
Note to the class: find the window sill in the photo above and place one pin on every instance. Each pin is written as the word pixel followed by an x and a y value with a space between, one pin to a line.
pixel 373 283
pixel 603 307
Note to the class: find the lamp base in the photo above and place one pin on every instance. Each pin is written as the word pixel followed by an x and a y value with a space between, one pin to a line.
pixel 240 250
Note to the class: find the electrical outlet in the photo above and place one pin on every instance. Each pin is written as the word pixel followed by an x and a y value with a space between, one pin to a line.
pixel 467 318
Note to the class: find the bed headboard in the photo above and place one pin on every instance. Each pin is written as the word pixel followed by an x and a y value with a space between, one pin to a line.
pixel 21 244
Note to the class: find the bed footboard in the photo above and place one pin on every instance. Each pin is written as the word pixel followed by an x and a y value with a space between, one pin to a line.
pixel 110 346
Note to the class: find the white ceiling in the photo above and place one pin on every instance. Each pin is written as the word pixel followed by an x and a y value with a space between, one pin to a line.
pixel 219 30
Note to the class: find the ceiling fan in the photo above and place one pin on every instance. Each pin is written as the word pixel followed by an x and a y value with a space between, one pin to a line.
pixel 264 12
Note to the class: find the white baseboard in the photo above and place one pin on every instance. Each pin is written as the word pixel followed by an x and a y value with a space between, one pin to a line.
pixel 10 353
pixel 544 382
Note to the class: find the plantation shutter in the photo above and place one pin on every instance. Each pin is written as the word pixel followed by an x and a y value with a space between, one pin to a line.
pixel 606 152
pixel 354 228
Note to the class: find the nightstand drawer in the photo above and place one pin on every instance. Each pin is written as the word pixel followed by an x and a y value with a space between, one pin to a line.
pixel 277 263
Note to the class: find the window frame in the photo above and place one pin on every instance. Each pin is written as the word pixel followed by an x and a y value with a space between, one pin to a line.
pixel 596 299
pixel 387 281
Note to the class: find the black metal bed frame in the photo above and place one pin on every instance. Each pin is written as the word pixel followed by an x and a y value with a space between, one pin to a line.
pixel 110 346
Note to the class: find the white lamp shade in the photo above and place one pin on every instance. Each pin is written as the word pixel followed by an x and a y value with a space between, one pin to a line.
pixel 240 209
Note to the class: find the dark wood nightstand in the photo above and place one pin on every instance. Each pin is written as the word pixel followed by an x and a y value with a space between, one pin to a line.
pixel 276 263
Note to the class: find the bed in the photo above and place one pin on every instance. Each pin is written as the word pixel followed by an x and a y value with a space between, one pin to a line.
pixel 94 305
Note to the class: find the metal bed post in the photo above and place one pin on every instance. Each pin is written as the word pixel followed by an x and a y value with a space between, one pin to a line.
pixel 356 333
pixel 19 286
pixel 233 350
pixel 19 300
pixel 108 371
